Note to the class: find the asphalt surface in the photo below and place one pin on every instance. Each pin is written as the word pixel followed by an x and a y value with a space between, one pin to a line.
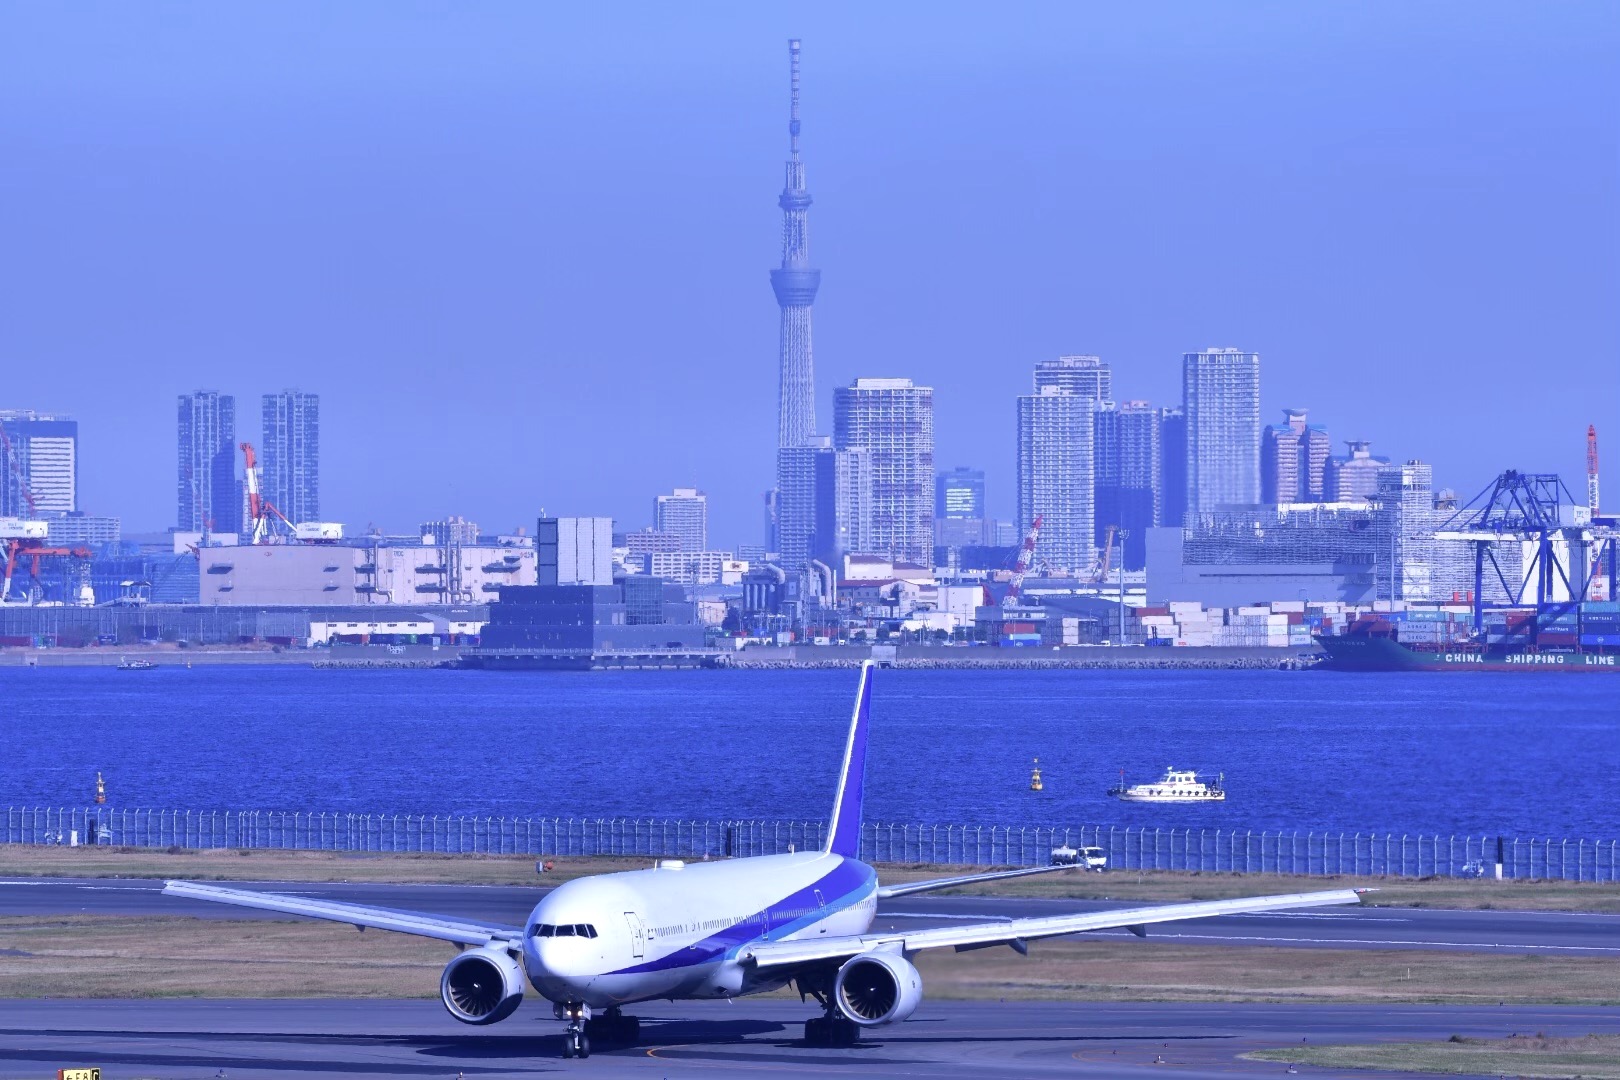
pixel 315 1040
pixel 1525 932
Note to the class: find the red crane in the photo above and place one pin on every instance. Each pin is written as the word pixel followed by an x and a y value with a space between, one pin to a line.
pixel 1026 556
pixel 261 511
pixel 1592 469
pixel 34 550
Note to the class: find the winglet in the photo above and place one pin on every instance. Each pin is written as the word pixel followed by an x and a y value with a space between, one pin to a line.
pixel 844 832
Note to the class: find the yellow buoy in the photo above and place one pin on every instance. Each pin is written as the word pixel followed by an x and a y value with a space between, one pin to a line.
pixel 101 788
pixel 1035 777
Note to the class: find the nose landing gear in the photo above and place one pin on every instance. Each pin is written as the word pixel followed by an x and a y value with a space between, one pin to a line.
pixel 575 1042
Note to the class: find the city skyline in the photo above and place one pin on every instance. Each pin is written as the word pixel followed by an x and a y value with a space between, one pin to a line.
pixel 1429 154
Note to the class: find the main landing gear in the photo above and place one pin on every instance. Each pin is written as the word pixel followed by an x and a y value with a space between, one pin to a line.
pixel 831 1029
pixel 614 1027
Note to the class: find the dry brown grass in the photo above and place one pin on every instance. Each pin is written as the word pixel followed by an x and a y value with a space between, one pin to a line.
pixel 1103 970
pixel 1594 1057
pixel 95 956
pixel 18 860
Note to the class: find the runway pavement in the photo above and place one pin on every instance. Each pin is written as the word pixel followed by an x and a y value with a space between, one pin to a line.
pixel 1569 934
pixel 315 1040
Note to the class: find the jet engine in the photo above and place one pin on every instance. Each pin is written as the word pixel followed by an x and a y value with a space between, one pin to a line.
pixel 877 988
pixel 482 986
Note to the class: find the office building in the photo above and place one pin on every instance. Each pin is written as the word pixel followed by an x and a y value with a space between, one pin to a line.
pixel 1083 376
pixel 39 464
pixel 1172 466
pixel 1293 460
pixel 210 499
pixel 290 456
pixel 893 421
pixel 1354 477
pixel 959 494
pixel 684 514
pixel 453 531
pixel 574 551
pixel 1056 476
pixel 1127 464
pixel 959 507
pixel 1221 396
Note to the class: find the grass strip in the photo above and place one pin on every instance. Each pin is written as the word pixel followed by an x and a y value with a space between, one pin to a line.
pixel 20 860
pixel 1592 1057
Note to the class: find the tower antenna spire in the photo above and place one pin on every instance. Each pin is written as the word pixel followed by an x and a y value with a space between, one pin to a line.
pixel 793 112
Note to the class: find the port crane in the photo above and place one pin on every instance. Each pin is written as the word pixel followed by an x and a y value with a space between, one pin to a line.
pixel 1536 511
pixel 1026 557
pixel 26 539
pixel 269 524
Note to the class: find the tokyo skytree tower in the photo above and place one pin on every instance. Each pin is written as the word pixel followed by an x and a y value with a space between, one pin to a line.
pixel 795 286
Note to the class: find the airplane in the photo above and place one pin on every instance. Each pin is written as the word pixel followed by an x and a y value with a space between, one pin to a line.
pixel 725 929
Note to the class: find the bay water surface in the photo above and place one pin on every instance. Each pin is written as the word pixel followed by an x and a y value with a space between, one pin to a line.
pixel 1501 754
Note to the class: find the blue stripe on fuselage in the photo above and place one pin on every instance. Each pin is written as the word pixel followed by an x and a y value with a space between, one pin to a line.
pixel 848 883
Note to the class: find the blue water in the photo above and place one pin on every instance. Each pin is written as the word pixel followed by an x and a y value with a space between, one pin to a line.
pixel 1514 754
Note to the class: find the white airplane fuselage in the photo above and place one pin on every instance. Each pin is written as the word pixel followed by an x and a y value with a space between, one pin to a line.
pixel 674 932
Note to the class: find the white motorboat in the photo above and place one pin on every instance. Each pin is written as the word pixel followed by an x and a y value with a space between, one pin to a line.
pixel 1178 786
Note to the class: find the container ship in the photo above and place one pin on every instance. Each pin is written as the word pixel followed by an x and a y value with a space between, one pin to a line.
pixel 1584 637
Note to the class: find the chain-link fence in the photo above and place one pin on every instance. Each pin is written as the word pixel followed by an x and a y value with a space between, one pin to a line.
pixel 1213 850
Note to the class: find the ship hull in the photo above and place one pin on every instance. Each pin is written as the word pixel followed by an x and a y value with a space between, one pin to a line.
pixel 1367 653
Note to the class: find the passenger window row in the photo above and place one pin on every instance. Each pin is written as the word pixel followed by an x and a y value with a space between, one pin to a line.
pixel 562 930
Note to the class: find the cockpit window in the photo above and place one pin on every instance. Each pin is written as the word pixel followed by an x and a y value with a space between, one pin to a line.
pixel 585 930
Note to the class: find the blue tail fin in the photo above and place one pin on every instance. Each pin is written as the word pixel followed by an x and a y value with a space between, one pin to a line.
pixel 844 833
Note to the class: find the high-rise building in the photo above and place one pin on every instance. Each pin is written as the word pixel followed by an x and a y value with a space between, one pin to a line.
pixel 290 458
pixel 1221 393
pixel 1172 466
pixel 1355 477
pixel 796 502
pixel 959 494
pixel 1083 376
pixel 39 458
pixel 685 514
pixel 209 497
pixel 1056 475
pixel 1293 460
pixel 1127 466
pixel 843 504
pixel 1406 527
pixel 893 420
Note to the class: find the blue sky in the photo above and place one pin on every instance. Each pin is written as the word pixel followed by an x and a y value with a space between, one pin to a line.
pixel 521 250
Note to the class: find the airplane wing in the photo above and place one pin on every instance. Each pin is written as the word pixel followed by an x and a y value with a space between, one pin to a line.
pixel 460 931
pixel 1017 932
pixel 886 891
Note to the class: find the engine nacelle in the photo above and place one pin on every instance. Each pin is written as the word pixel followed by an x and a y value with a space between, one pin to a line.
pixel 482 986
pixel 877 988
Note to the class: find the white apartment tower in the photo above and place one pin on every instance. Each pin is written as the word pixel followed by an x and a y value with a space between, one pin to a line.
pixel 1221 397
pixel 290 457
pixel 1057 474
pixel 684 514
pixel 893 421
